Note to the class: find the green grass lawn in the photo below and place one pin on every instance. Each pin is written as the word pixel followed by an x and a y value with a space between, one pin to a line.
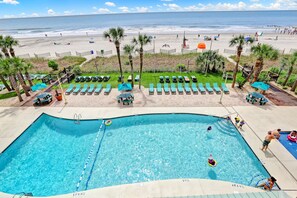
pixel 9 95
pixel 148 78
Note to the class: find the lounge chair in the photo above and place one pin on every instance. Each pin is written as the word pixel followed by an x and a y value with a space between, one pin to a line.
pixel 194 88
pixel 82 79
pixel 161 79
pixel 166 88
pixel 186 78
pixel 180 88
pixel 98 89
pixel 107 89
pixel 194 79
pixel 159 88
pixel 225 89
pixel 94 78
pixel 130 78
pixel 173 88
pixel 216 88
pixel 187 88
pixel 167 79
pixel 174 79
pixel 77 79
pixel 151 90
pixel 137 78
pixel 84 89
pixel 70 88
pixel 208 88
pixel 180 79
pixel 100 79
pixel 88 78
pixel 201 88
pixel 106 78
pixel 91 89
pixel 77 88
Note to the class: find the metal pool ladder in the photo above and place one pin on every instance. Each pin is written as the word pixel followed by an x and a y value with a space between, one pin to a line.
pixel 77 118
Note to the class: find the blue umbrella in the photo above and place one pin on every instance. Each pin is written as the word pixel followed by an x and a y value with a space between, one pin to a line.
pixel 125 87
pixel 260 85
pixel 38 86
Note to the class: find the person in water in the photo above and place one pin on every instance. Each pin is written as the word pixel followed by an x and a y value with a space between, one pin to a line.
pixel 276 133
pixel 209 128
pixel 211 161
pixel 268 185
pixel 267 140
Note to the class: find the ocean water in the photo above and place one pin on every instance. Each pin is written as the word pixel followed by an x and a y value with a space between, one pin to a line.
pixel 55 156
pixel 151 23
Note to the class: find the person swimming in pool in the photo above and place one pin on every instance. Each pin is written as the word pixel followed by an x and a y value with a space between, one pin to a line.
pixel 209 128
pixel 211 161
pixel 268 185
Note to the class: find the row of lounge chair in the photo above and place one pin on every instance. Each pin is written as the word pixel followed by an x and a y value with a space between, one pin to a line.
pixel 179 79
pixel 92 78
pixel 180 88
pixel 88 89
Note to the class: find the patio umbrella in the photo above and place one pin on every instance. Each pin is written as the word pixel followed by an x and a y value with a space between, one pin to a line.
pixel 260 85
pixel 38 86
pixel 125 87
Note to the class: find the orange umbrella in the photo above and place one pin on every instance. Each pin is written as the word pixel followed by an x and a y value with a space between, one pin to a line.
pixel 201 46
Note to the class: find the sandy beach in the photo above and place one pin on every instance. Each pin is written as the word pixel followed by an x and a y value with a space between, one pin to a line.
pixel 80 45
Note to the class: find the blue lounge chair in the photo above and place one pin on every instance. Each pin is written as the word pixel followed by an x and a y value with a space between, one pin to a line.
pixel 194 88
pixel 208 88
pixel 201 88
pixel 91 89
pixel 173 88
pixel 216 88
pixel 187 88
pixel 107 89
pixel 77 89
pixel 225 89
pixel 98 89
pixel 180 88
pixel 84 89
pixel 151 90
pixel 70 89
pixel 159 88
pixel 166 88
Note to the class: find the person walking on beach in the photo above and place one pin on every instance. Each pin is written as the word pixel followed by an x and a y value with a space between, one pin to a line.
pixel 267 140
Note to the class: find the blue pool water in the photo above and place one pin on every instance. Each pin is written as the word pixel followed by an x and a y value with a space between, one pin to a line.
pixel 51 155
pixel 290 146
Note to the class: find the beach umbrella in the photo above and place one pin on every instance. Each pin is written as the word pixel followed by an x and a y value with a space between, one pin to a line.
pixel 125 87
pixel 38 86
pixel 260 85
pixel 201 46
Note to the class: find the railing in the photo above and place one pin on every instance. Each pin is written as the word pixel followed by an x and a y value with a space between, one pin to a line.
pixel 77 118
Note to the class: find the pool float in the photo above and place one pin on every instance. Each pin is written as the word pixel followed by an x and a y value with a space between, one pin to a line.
pixel 291 138
pixel 214 163
pixel 108 122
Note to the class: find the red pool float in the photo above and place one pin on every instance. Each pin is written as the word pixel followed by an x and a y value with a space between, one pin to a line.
pixel 292 139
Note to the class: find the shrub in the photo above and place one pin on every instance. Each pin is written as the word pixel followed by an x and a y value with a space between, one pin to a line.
pixel 285 87
pixel 264 77
pixel 240 81
pixel 281 80
pixel 274 70
pixel 53 64
pixel 181 67
pixel 76 70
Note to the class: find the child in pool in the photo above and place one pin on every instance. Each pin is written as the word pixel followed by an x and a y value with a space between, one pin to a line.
pixel 241 124
pixel 211 161
pixel 237 120
pixel 268 185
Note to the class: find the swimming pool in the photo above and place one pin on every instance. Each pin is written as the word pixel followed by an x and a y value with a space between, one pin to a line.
pixel 290 146
pixel 56 156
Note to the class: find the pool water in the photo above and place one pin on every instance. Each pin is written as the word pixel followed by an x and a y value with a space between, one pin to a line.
pixel 289 145
pixel 56 156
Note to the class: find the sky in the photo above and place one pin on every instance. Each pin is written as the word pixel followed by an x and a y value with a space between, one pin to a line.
pixel 38 8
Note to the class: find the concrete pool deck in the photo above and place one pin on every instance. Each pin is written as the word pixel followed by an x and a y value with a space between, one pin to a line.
pixel 277 160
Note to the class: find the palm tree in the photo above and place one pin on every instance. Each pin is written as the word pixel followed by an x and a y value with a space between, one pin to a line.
pixel 142 40
pixel 115 35
pixel 4 46
pixel 294 86
pixel 291 62
pixel 210 60
pixel 2 73
pixel 129 50
pixel 10 71
pixel 10 41
pixel 262 51
pixel 18 65
pixel 240 41
pixel 27 67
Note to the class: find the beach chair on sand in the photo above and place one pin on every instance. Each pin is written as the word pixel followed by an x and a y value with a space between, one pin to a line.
pixel 91 89
pixel 166 88
pixel 70 88
pixel 77 88
pixel 187 88
pixel 159 88
pixel 98 89
pixel 208 88
pixel 84 89
pixel 216 88
pixel 107 89
pixel 194 88
pixel 151 89
pixel 201 88
pixel 173 88
pixel 174 79
pixel 180 88
pixel 225 89
pixel 137 78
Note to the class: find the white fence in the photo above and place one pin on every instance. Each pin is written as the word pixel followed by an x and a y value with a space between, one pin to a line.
pixel 229 51
pixel 151 51
pixel 24 56
pixel 86 53
pixel 43 55
pixel 62 54
pixel 105 53
pixel 171 51
pixel 188 51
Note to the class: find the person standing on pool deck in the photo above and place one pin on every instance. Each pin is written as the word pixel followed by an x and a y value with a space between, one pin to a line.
pixel 267 140
pixel 276 133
